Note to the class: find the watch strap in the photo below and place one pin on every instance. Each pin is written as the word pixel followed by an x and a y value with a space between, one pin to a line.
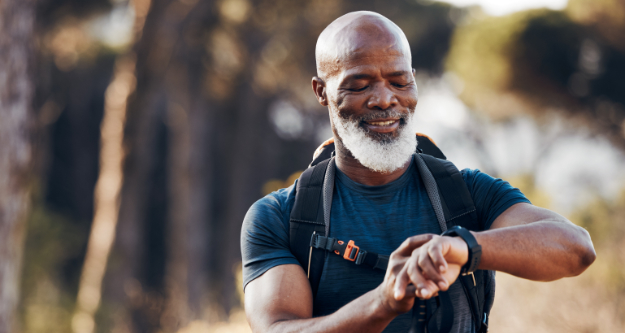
pixel 475 249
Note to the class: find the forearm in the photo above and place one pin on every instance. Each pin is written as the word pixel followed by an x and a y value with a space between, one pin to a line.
pixel 364 314
pixel 542 251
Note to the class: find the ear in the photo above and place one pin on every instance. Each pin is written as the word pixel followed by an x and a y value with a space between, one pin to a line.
pixel 319 88
pixel 414 72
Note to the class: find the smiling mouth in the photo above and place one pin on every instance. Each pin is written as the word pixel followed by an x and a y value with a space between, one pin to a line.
pixel 382 125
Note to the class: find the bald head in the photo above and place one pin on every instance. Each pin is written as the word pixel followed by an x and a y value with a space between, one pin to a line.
pixel 354 35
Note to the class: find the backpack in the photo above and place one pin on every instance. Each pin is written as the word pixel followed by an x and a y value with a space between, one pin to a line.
pixel 452 203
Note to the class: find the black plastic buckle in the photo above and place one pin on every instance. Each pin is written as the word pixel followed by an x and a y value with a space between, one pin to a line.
pixel 361 257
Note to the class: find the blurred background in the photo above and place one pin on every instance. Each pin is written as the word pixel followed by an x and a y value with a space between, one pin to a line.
pixel 135 134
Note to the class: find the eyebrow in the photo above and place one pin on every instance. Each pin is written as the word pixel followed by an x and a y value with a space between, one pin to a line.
pixel 368 76
pixel 357 77
pixel 398 73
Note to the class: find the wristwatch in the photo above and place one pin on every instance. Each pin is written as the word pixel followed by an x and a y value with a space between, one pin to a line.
pixel 475 249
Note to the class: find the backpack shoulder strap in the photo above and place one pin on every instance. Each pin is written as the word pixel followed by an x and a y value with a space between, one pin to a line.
pixel 429 147
pixel 454 197
pixel 311 215
pixel 453 205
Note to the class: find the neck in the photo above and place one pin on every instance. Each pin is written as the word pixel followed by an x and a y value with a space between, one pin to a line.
pixel 351 167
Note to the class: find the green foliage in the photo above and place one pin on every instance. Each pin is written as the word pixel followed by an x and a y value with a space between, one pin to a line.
pixel 606 17
pixel 540 61
pixel 48 294
pixel 480 55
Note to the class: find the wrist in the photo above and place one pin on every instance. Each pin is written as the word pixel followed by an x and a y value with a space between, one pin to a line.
pixel 474 249
pixel 462 257
pixel 382 305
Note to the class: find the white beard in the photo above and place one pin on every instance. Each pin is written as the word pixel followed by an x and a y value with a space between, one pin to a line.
pixel 382 154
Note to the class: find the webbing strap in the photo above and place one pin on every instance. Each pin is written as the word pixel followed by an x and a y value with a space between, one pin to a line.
pixel 457 203
pixel 432 190
pixel 447 317
pixel 328 191
pixel 458 209
pixel 349 251
pixel 419 316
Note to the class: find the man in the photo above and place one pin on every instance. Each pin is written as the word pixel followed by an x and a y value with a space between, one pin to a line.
pixel 366 81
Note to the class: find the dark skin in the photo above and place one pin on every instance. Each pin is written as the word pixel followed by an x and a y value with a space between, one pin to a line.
pixel 364 67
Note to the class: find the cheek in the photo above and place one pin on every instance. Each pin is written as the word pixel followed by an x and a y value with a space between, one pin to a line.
pixel 411 103
pixel 409 100
pixel 351 102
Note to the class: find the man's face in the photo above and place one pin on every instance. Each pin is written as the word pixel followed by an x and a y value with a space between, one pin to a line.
pixel 371 99
pixel 374 87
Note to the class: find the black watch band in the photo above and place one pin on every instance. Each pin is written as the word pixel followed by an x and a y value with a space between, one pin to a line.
pixel 475 249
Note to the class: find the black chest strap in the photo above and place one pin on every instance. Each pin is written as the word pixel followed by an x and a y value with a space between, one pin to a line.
pixel 349 251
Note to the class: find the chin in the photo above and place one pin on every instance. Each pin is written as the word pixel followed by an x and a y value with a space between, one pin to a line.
pixel 383 138
pixel 379 152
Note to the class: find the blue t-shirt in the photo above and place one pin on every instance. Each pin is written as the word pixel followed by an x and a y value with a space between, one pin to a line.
pixel 376 218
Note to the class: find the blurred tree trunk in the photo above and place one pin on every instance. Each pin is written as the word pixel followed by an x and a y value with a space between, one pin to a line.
pixel 16 91
pixel 189 168
pixel 106 196
pixel 165 200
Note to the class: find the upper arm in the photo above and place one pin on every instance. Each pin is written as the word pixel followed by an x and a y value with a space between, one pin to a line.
pixel 276 287
pixel 265 236
pixel 281 293
pixel 524 213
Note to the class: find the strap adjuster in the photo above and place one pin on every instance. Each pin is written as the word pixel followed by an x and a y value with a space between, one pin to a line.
pixel 360 258
pixel 351 251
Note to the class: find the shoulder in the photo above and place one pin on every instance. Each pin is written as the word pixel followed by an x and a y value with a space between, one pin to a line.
pixel 491 196
pixel 482 183
pixel 475 177
pixel 272 208
pixel 265 234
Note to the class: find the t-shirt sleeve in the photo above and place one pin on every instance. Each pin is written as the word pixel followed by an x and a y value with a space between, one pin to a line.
pixel 265 235
pixel 491 196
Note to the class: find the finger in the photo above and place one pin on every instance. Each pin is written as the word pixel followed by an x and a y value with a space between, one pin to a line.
pixel 411 290
pixel 438 259
pixel 412 243
pixel 425 287
pixel 429 271
pixel 426 292
pixel 402 280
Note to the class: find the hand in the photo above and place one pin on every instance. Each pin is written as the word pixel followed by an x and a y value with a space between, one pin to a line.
pixel 432 266
pixel 388 296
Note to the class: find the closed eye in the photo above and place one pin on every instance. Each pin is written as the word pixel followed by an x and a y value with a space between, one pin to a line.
pixel 358 89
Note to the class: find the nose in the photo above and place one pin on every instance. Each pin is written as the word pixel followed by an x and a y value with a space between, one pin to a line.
pixel 382 97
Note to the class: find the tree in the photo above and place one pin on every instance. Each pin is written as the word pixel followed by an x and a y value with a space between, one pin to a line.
pixel 17 19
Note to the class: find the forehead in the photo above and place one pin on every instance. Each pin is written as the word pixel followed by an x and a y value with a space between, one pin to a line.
pixel 373 62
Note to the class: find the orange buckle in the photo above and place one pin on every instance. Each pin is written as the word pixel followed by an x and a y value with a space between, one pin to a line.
pixel 348 251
